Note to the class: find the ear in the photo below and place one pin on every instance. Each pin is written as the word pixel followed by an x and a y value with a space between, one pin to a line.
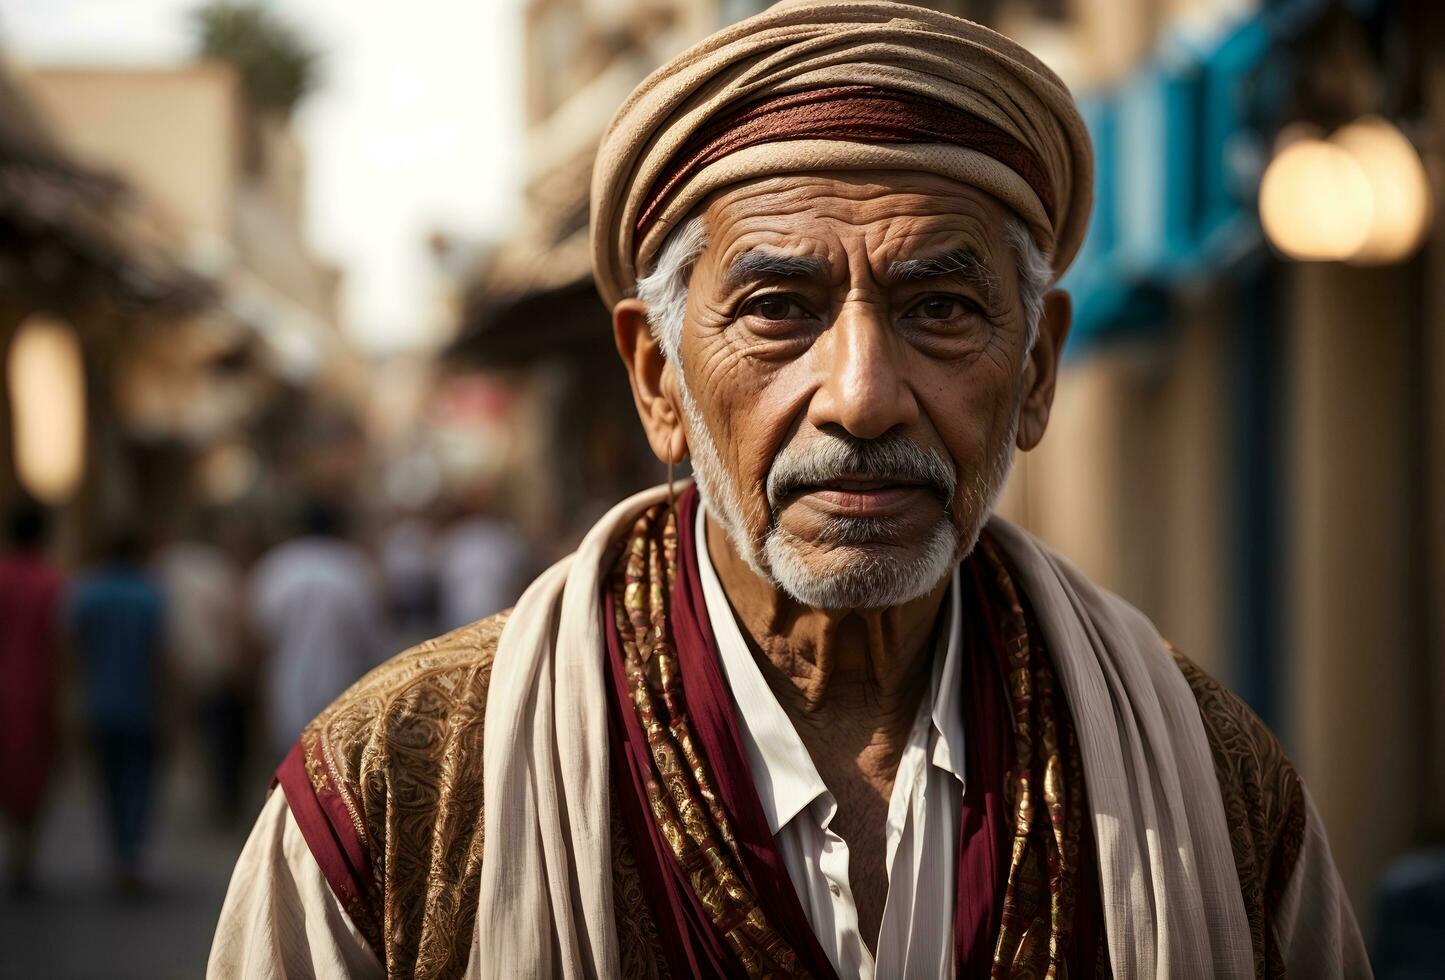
pixel 654 381
pixel 1042 370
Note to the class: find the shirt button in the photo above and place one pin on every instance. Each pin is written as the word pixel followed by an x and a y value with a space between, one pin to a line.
pixel 833 887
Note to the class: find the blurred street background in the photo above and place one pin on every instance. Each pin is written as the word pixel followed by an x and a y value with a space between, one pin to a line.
pixel 301 362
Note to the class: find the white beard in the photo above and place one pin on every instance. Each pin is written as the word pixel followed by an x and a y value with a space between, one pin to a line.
pixel 853 576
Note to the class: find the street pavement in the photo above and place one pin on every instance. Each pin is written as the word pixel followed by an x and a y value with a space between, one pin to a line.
pixel 78 927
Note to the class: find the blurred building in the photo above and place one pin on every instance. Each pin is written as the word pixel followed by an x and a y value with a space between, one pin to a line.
pixel 1249 447
pixel 229 176
pixel 530 313
pixel 90 277
pixel 246 402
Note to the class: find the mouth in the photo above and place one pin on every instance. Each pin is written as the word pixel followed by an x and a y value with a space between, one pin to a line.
pixel 861 497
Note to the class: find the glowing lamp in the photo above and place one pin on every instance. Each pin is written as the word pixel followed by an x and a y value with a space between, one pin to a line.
pixel 1398 186
pixel 1315 202
pixel 46 374
pixel 1362 196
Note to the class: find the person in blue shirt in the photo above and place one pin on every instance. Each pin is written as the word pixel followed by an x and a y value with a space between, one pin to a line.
pixel 115 615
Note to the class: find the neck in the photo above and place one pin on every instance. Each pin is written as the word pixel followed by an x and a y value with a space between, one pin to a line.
pixel 826 666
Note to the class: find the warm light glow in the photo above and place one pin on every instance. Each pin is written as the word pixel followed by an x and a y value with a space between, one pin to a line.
pixel 1361 196
pixel 47 400
pixel 1398 185
pixel 1315 202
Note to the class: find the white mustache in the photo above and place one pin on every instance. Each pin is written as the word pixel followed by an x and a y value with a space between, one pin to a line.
pixel 890 459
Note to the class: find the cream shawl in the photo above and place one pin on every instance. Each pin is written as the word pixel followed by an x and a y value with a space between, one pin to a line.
pixel 1171 896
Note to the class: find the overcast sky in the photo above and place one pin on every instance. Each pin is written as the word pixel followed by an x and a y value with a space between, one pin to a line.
pixel 416 126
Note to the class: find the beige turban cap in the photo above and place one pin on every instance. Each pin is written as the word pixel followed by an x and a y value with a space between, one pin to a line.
pixel 867 85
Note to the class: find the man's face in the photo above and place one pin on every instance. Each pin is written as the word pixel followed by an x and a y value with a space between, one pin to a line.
pixel 854 359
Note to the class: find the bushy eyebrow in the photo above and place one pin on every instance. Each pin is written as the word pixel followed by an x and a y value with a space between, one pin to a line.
pixel 959 263
pixel 760 263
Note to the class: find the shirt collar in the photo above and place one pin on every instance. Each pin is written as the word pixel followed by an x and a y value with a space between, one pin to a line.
pixel 783 773
pixel 947 692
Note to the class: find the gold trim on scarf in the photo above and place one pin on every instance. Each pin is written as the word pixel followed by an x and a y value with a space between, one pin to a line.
pixel 1038 905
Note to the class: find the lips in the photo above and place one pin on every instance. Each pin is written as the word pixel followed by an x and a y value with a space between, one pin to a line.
pixel 862 497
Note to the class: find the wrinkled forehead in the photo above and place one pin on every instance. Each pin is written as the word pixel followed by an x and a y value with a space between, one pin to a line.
pixel 884 216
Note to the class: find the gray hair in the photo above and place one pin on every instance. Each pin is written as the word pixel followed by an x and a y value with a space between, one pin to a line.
pixel 663 290
pixel 1036 273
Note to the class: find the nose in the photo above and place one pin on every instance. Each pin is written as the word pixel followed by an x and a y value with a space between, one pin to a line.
pixel 864 389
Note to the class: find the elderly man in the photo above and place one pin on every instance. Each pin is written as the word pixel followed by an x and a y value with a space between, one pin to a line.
pixel 819 714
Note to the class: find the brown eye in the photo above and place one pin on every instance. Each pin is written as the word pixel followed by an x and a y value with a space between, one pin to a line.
pixel 938 308
pixel 775 308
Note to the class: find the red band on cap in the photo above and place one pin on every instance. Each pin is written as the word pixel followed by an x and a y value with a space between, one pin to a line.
pixel 856 113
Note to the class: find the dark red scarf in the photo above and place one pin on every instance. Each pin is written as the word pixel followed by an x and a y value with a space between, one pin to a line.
pixel 723 901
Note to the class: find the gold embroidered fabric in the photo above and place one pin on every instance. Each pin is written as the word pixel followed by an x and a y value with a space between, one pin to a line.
pixel 639 950
pixel 1264 804
pixel 680 790
pixel 1045 787
pixel 403 747
pixel 1045 792
pixel 403 750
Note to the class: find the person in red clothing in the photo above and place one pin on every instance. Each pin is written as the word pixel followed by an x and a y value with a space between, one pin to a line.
pixel 29 592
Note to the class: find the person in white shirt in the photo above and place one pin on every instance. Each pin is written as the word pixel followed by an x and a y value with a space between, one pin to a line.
pixel 317 606
pixel 208 645
pixel 480 561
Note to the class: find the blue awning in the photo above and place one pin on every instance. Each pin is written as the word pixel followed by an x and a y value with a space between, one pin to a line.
pixel 1175 179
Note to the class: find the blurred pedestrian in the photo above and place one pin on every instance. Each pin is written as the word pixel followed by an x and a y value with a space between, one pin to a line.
pixel 29 645
pixel 116 619
pixel 316 604
pixel 409 572
pixel 206 643
pixel 482 562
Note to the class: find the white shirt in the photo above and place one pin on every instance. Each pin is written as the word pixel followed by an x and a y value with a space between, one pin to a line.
pixel 204 612
pixel 315 600
pixel 916 937
pixel 479 563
